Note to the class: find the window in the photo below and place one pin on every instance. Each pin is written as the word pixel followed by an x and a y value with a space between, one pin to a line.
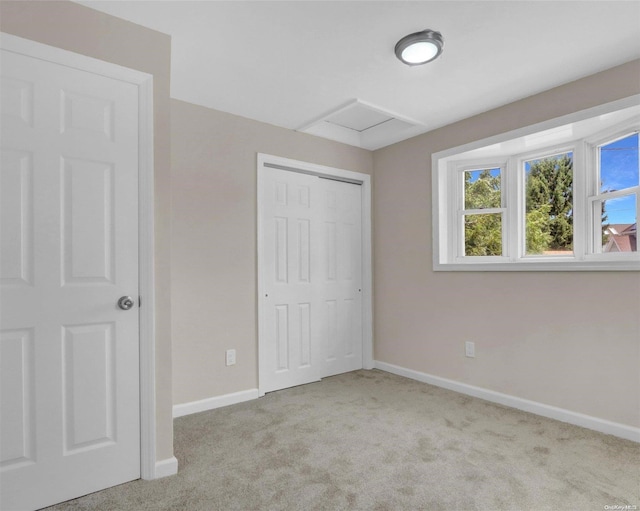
pixel 482 212
pixel 548 197
pixel 563 198
pixel 613 202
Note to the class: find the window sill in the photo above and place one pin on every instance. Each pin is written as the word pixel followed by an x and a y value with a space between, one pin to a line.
pixel 628 264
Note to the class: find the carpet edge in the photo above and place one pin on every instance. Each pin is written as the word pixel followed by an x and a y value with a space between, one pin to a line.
pixel 577 419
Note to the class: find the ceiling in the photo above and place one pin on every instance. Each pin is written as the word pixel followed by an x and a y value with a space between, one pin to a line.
pixel 294 63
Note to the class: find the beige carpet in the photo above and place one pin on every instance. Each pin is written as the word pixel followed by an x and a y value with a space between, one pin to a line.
pixel 370 440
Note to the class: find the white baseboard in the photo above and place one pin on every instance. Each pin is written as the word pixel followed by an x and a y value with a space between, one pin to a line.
pixel 552 412
pixel 214 402
pixel 165 468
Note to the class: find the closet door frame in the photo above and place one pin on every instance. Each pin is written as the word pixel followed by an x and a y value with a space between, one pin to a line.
pixel 266 161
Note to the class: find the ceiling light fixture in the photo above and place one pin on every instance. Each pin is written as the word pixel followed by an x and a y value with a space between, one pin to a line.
pixel 420 48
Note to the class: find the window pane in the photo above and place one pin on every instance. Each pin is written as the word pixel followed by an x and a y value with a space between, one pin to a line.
pixel 483 235
pixel 549 205
pixel 619 164
pixel 619 224
pixel 482 189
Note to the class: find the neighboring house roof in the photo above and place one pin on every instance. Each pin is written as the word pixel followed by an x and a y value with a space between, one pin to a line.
pixel 621 238
pixel 620 228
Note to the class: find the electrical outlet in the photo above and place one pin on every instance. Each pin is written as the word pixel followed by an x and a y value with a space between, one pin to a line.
pixel 470 349
pixel 231 357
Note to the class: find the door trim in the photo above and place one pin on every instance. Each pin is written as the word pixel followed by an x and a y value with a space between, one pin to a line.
pixel 268 161
pixel 144 82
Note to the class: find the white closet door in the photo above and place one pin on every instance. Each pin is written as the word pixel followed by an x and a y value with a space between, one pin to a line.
pixel 292 240
pixel 341 277
pixel 311 311
pixel 69 402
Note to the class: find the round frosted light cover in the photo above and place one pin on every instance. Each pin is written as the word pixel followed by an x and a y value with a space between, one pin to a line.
pixel 420 47
pixel 419 52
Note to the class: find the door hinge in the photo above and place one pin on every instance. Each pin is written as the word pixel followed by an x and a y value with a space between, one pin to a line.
pixel 139 301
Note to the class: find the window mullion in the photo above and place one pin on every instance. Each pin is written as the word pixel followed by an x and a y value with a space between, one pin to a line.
pixel 458 249
pixel 582 170
pixel 453 230
pixel 592 222
pixel 515 222
pixel 595 224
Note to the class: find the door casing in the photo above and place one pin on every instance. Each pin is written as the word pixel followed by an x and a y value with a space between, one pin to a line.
pixel 269 161
pixel 146 266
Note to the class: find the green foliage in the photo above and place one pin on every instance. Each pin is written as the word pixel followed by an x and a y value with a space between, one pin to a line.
pixel 538 236
pixel 483 235
pixel 484 192
pixel 605 225
pixel 550 183
pixel 549 209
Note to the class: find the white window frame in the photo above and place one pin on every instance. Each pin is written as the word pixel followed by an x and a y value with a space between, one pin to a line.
pixel 518 162
pixel 594 194
pixel 457 182
pixel 448 197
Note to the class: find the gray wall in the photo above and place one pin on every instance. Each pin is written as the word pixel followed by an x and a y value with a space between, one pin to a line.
pixel 566 339
pixel 213 241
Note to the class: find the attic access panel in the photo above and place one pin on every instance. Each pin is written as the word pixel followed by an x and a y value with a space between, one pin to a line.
pixel 358 118
pixel 363 125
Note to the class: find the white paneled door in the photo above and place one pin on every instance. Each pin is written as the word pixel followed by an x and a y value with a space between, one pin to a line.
pixel 69 373
pixel 340 276
pixel 311 315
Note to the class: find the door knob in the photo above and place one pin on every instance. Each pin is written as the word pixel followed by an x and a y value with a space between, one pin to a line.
pixel 125 303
